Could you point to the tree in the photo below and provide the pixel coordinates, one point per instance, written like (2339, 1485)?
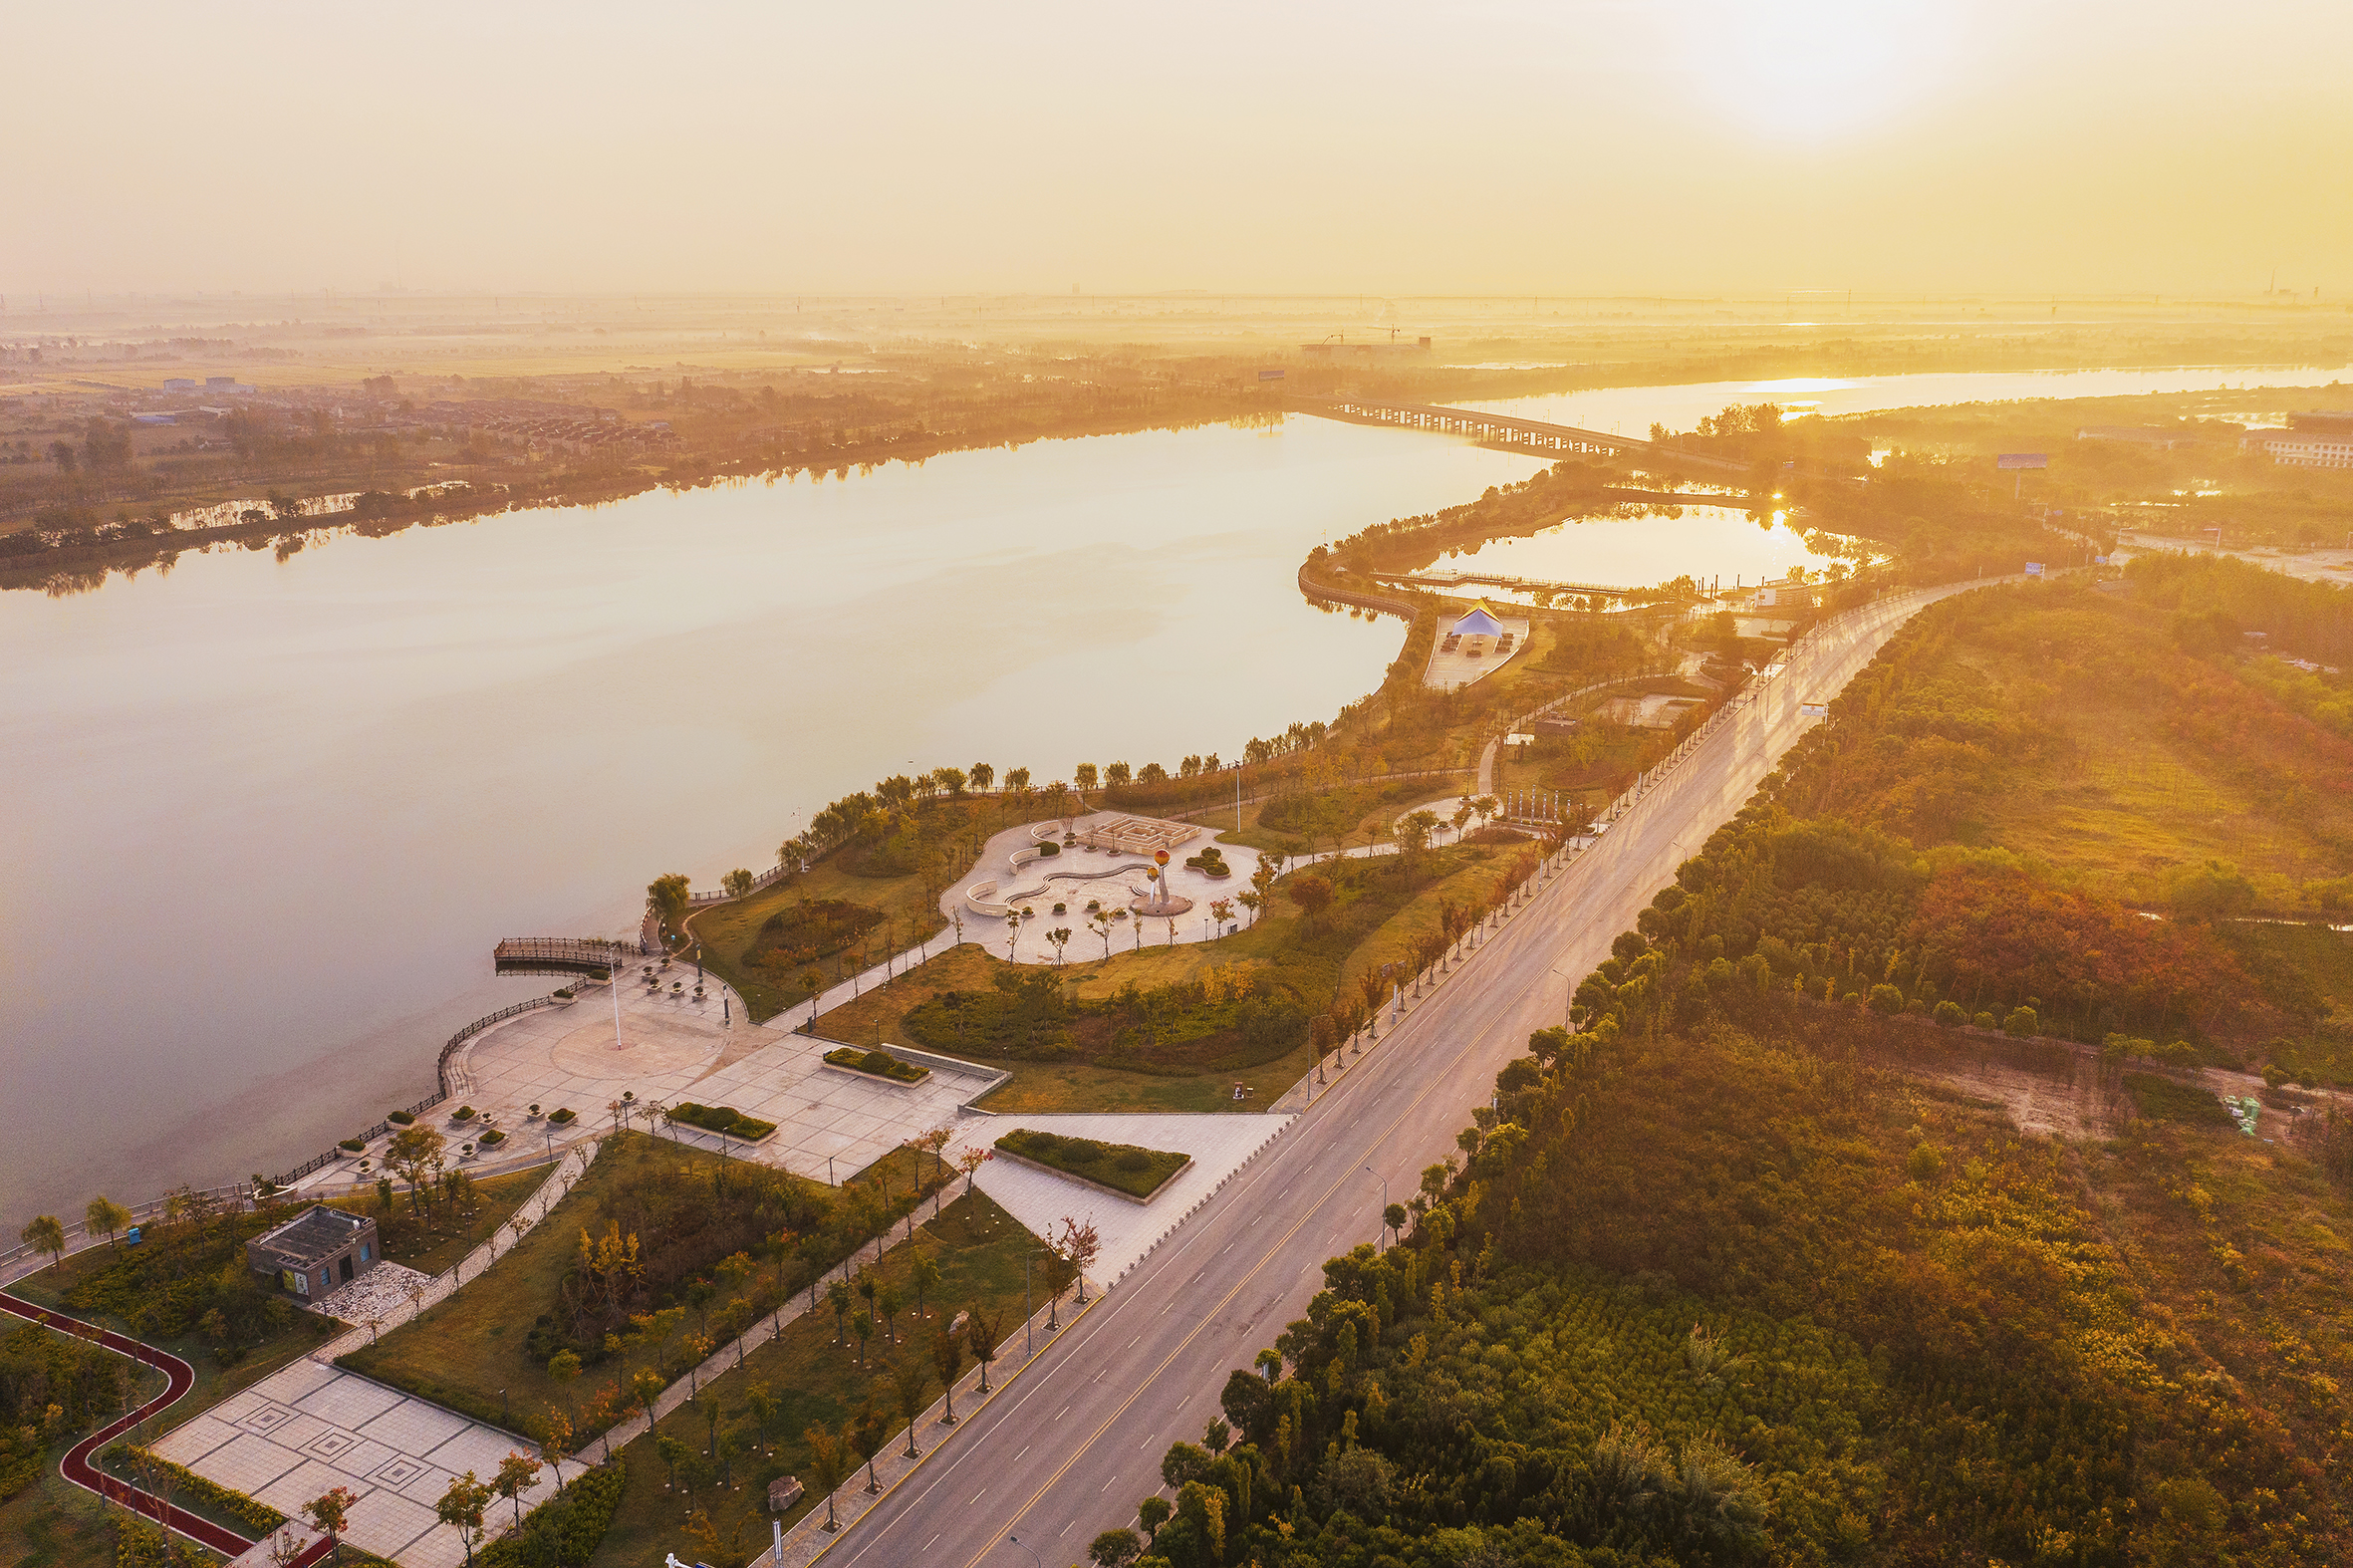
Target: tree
(862, 1326)
(969, 1161)
(982, 776)
(829, 1463)
(1413, 831)
(669, 894)
(415, 1155)
(838, 1297)
(1060, 937)
(44, 1234)
(1313, 896)
(104, 1217)
(1084, 773)
(889, 1304)
(1115, 1548)
(555, 1440)
(1152, 1514)
(737, 883)
(329, 1512)
(1079, 1244)
(924, 1275)
(516, 1474)
(981, 1331)
(911, 1380)
(947, 1357)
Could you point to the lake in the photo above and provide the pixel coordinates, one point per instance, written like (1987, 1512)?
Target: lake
(1707, 542)
(267, 818)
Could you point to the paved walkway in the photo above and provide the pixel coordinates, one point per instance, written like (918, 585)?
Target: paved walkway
(310, 1426)
(1119, 884)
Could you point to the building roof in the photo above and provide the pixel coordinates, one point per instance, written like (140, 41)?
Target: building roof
(313, 1234)
(1479, 622)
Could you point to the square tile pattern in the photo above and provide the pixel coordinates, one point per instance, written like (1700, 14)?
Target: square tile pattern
(306, 1429)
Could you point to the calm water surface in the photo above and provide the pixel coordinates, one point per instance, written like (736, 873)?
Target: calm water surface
(1708, 542)
(266, 819)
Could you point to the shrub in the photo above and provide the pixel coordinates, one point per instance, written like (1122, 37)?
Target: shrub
(354, 1145)
(721, 1119)
(464, 1112)
(1061, 909)
(1125, 1167)
(492, 1138)
(399, 1118)
(1049, 848)
(1951, 1015)
(2021, 1023)
(880, 1063)
(245, 1510)
(561, 993)
(1987, 1021)
(563, 1116)
(567, 1529)
(1886, 999)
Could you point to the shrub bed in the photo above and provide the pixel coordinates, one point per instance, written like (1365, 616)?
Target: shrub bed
(399, 1118)
(563, 1116)
(567, 1529)
(491, 1139)
(128, 1458)
(352, 1144)
(721, 1119)
(1125, 1167)
(879, 1064)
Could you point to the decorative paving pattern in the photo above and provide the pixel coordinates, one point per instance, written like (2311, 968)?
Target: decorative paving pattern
(307, 1428)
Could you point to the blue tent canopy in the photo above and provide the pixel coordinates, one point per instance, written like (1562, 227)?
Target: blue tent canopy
(1478, 622)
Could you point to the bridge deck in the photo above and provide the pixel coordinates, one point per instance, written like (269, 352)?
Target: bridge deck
(1514, 431)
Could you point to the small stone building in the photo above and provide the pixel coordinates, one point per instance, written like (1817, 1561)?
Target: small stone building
(314, 1251)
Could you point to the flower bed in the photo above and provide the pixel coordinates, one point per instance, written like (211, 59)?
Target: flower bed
(876, 1064)
(563, 1116)
(1123, 1167)
(721, 1119)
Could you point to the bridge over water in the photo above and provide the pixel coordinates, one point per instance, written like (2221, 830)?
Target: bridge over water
(1498, 430)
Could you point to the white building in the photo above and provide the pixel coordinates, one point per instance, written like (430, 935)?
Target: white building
(2303, 448)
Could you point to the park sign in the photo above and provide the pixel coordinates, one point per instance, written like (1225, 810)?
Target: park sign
(1813, 710)
(2034, 569)
(2022, 460)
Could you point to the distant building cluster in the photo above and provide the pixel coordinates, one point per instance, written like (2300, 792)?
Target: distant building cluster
(2322, 440)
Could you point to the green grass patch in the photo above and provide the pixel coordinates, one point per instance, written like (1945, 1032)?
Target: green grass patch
(877, 1064)
(812, 1372)
(692, 1210)
(720, 1119)
(1125, 1167)
(2168, 1100)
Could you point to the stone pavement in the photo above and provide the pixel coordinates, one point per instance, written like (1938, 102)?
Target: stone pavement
(307, 1428)
(1041, 1200)
(1116, 884)
(377, 1294)
(310, 1426)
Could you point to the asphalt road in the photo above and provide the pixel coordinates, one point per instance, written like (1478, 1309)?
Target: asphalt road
(1076, 1443)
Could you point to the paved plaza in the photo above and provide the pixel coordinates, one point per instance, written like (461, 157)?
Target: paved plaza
(1114, 878)
(307, 1428)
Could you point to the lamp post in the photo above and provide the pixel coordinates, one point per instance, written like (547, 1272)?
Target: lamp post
(1033, 1555)
(1383, 1180)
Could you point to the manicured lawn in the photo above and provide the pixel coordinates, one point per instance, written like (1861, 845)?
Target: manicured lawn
(462, 1352)
(466, 1349)
(1128, 1168)
(979, 1251)
(910, 910)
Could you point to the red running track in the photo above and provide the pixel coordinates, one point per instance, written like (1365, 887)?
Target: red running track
(78, 1468)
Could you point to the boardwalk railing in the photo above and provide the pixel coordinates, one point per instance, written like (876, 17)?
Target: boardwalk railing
(558, 954)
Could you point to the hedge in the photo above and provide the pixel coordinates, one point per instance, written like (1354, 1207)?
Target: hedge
(131, 1459)
(563, 1116)
(1140, 1173)
(882, 1064)
(721, 1119)
(565, 1530)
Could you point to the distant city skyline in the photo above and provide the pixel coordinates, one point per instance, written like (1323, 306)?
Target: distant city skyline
(1498, 148)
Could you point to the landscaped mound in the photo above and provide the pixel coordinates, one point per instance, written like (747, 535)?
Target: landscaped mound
(1125, 1167)
(881, 1064)
(795, 938)
(1210, 862)
(721, 1119)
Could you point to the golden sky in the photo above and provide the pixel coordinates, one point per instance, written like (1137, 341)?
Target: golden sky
(1484, 146)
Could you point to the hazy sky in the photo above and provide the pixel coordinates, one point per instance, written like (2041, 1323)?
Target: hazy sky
(1496, 147)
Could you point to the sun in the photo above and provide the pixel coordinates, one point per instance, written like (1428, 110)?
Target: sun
(1814, 70)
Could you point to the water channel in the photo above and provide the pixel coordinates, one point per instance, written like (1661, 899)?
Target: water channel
(266, 817)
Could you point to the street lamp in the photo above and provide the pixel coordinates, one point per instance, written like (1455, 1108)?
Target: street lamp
(1383, 1180)
(1033, 1554)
